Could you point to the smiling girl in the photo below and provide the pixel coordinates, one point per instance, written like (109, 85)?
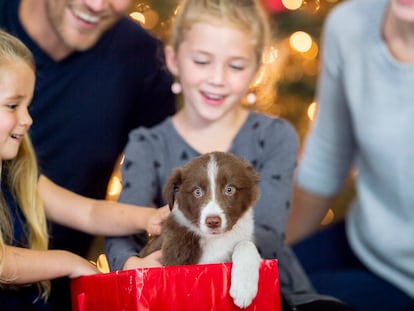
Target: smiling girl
(26, 264)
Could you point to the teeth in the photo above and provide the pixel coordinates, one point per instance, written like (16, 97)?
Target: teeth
(86, 17)
(212, 96)
(16, 136)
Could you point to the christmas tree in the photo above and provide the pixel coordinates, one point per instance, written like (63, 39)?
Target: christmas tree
(286, 85)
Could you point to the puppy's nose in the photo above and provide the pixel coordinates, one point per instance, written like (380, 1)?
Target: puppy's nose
(213, 221)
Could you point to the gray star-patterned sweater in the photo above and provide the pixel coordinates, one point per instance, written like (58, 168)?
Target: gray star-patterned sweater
(269, 143)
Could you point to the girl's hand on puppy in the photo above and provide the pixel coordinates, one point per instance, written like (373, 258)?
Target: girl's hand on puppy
(150, 261)
(157, 219)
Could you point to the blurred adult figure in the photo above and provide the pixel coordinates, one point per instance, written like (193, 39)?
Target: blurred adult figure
(99, 75)
(365, 121)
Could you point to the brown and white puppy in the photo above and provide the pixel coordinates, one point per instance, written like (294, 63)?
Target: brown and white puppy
(211, 198)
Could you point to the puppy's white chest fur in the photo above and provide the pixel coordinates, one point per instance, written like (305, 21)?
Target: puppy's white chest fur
(220, 248)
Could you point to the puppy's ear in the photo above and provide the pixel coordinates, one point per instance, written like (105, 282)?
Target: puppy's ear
(255, 179)
(171, 187)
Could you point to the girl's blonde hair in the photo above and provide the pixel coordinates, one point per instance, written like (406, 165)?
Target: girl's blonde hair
(246, 15)
(21, 176)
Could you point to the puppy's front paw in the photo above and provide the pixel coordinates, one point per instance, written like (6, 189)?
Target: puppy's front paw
(244, 273)
(243, 292)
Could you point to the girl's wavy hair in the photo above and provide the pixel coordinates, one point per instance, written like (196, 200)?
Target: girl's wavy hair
(20, 175)
(247, 15)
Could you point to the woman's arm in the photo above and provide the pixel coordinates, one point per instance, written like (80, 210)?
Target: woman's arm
(330, 146)
(98, 217)
(22, 266)
(306, 214)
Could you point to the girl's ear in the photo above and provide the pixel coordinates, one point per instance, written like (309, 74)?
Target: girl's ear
(171, 60)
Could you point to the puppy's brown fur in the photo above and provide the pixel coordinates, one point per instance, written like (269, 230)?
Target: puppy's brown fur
(189, 189)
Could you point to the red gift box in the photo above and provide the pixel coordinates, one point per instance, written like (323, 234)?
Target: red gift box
(174, 288)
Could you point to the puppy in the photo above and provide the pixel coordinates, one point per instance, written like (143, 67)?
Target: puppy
(211, 198)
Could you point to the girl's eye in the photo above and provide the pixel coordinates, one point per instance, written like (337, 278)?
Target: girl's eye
(229, 190)
(12, 106)
(200, 62)
(198, 192)
(237, 67)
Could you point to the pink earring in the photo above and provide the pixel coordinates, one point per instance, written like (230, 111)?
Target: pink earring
(176, 88)
(251, 98)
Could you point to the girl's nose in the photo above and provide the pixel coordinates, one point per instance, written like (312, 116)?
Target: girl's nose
(217, 75)
(25, 119)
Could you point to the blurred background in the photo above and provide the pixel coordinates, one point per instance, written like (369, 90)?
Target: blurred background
(286, 85)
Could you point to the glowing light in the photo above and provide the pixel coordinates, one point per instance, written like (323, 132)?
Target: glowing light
(312, 52)
(139, 17)
(274, 5)
(292, 4)
(259, 77)
(329, 217)
(115, 186)
(147, 17)
(151, 19)
(270, 55)
(300, 41)
(311, 110)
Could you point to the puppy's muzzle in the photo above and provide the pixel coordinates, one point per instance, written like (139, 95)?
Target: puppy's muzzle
(213, 222)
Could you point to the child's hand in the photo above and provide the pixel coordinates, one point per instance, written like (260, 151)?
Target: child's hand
(81, 267)
(152, 260)
(155, 222)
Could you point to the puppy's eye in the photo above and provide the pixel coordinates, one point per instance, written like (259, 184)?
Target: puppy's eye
(198, 192)
(229, 190)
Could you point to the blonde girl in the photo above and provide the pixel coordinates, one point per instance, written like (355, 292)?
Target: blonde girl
(26, 200)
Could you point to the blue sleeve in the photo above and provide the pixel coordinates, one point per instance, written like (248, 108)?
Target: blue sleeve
(139, 187)
(278, 163)
(139, 174)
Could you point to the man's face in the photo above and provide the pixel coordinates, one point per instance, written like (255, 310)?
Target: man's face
(80, 23)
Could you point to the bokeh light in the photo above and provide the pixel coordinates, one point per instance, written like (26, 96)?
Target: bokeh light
(292, 4)
(301, 41)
